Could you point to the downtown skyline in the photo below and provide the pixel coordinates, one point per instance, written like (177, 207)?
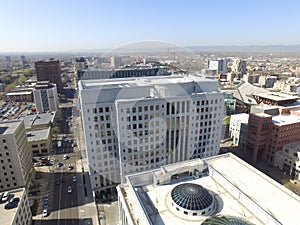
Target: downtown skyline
(55, 26)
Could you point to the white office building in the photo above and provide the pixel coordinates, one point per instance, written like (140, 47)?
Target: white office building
(238, 127)
(137, 124)
(219, 65)
(45, 97)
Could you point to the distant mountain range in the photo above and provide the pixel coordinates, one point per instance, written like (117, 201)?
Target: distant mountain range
(150, 48)
(249, 48)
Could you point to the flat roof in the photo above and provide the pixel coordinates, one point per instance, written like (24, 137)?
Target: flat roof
(40, 134)
(275, 96)
(285, 119)
(19, 93)
(241, 116)
(273, 197)
(9, 127)
(142, 81)
(240, 191)
(37, 119)
(7, 215)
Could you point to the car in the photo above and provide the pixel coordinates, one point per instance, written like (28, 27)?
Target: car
(66, 157)
(70, 167)
(45, 205)
(59, 164)
(5, 196)
(69, 189)
(46, 198)
(14, 199)
(36, 164)
(45, 212)
(11, 205)
(57, 181)
(74, 178)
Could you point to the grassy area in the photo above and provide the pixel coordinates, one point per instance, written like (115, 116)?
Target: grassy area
(226, 120)
(290, 185)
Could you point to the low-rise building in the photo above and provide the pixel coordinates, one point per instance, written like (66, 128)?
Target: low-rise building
(288, 160)
(218, 190)
(18, 215)
(39, 141)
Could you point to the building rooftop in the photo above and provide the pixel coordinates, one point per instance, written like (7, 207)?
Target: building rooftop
(243, 117)
(142, 81)
(9, 127)
(37, 135)
(285, 119)
(8, 215)
(276, 96)
(37, 119)
(240, 193)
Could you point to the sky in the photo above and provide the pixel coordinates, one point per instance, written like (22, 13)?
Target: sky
(71, 25)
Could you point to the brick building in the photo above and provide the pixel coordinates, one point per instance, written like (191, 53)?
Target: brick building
(49, 71)
(269, 129)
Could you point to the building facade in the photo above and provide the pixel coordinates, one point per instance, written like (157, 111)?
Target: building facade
(45, 97)
(19, 215)
(137, 124)
(15, 156)
(238, 128)
(49, 71)
(269, 129)
(288, 160)
(219, 65)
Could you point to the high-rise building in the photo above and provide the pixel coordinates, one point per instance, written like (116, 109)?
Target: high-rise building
(219, 190)
(239, 66)
(45, 96)
(136, 124)
(49, 71)
(115, 61)
(15, 156)
(219, 65)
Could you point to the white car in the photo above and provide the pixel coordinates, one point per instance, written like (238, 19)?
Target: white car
(45, 212)
(69, 189)
(66, 157)
(5, 196)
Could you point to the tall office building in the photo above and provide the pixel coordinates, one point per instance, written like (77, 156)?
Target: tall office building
(219, 65)
(45, 96)
(49, 71)
(239, 66)
(15, 156)
(136, 124)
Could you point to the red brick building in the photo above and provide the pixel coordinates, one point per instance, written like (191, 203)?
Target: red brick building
(270, 129)
(49, 71)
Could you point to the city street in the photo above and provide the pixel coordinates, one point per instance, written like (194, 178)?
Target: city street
(65, 181)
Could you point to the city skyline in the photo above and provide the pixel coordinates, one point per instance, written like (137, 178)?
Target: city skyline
(33, 26)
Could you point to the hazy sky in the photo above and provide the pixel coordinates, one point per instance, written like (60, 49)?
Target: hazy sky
(54, 25)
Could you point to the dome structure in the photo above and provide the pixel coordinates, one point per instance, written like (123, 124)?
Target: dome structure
(225, 220)
(192, 199)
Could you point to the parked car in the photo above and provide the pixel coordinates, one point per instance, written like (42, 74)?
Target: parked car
(11, 205)
(74, 178)
(69, 189)
(45, 212)
(59, 164)
(70, 167)
(5, 196)
(66, 157)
